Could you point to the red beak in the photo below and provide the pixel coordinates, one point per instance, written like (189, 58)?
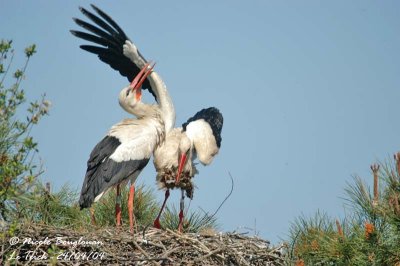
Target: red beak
(143, 74)
(180, 168)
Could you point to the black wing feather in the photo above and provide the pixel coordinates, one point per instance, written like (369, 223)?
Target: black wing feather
(111, 39)
(106, 175)
(107, 38)
(103, 172)
(90, 37)
(102, 24)
(102, 151)
(111, 21)
(110, 57)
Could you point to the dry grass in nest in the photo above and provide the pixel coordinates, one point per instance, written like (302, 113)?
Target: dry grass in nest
(150, 247)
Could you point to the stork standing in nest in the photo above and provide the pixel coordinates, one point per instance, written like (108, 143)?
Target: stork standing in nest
(174, 159)
(128, 146)
(200, 136)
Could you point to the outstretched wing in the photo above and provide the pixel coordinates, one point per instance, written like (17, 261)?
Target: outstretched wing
(110, 39)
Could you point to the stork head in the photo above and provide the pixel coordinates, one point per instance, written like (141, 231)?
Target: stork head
(130, 96)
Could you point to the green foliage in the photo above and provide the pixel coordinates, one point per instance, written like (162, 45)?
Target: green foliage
(369, 235)
(58, 209)
(145, 210)
(193, 222)
(18, 167)
(145, 207)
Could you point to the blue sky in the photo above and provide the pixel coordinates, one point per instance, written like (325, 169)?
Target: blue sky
(309, 91)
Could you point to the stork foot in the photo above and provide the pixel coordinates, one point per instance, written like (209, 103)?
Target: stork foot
(156, 223)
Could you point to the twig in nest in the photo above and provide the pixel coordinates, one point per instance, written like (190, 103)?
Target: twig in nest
(211, 253)
(144, 231)
(150, 259)
(143, 252)
(166, 253)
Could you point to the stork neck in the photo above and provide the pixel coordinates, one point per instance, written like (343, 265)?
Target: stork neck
(164, 101)
(141, 110)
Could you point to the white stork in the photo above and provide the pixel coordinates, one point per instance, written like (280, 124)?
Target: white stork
(199, 137)
(128, 146)
(174, 159)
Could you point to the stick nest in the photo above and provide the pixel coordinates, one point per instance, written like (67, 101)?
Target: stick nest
(109, 246)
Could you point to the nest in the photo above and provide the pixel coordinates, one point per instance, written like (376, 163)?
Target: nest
(43, 245)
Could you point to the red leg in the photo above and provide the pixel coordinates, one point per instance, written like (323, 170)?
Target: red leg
(118, 207)
(182, 206)
(157, 220)
(130, 206)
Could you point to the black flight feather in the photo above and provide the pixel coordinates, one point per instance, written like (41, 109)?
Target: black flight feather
(111, 39)
(110, 20)
(103, 172)
(90, 37)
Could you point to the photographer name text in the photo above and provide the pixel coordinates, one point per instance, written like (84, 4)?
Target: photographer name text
(58, 241)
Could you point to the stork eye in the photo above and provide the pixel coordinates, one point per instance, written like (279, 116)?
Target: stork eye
(128, 91)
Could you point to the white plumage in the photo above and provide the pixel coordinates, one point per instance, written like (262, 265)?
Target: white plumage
(129, 144)
(200, 134)
(174, 159)
(166, 158)
(138, 138)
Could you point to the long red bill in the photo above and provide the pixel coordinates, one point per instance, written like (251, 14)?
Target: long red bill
(180, 168)
(138, 76)
(143, 74)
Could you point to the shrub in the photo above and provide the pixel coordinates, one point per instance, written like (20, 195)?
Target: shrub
(18, 165)
(370, 233)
